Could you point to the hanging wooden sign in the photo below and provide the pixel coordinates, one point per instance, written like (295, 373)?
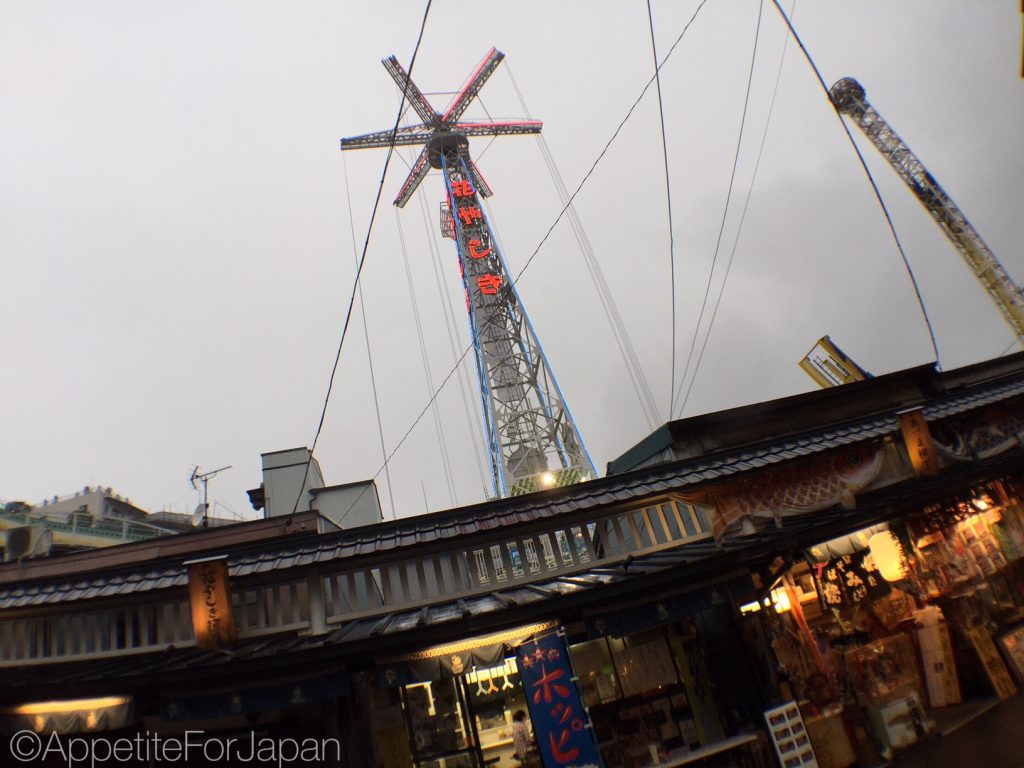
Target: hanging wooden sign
(993, 663)
(918, 440)
(209, 594)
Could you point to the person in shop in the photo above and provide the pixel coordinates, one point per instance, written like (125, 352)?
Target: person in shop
(522, 742)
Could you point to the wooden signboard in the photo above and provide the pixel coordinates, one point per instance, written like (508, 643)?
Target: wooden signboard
(918, 440)
(209, 595)
(1013, 646)
(996, 670)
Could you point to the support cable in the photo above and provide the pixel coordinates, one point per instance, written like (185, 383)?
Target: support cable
(473, 422)
(743, 215)
(366, 333)
(728, 199)
(871, 179)
(607, 146)
(362, 260)
(408, 432)
(442, 444)
(668, 204)
(479, 157)
(611, 311)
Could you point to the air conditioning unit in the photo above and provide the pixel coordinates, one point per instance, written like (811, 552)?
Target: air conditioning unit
(28, 541)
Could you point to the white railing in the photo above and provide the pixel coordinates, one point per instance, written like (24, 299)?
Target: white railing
(312, 602)
(95, 634)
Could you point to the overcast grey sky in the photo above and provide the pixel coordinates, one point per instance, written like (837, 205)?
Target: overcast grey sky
(176, 255)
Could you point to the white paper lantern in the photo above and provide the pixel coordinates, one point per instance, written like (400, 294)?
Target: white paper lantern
(888, 555)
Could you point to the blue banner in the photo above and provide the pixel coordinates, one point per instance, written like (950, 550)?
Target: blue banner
(560, 723)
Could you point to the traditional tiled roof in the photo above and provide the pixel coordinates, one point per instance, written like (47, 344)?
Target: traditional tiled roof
(436, 529)
(705, 563)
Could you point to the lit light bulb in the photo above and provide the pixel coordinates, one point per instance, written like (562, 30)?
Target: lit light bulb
(547, 479)
(780, 597)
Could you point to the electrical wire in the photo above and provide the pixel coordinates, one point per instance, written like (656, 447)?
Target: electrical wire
(1012, 344)
(725, 210)
(607, 146)
(362, 258)
(408, 432)
(668, 205)
(871, 179)
(366, 334)
(743, 214)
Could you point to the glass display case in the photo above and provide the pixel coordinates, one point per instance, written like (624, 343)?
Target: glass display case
(436, 716)
(884, 670)
(597, 679)
(494, 695)
(640, 704)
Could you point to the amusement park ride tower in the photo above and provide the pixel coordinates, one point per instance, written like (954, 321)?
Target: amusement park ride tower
(532, 438)
(850, 99)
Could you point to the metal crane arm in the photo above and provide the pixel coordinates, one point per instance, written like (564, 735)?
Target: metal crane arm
(417, 174)
(482, 187)
(411, 134)
(849, 98)
(473, 85)
(505, 128)
(412, 92)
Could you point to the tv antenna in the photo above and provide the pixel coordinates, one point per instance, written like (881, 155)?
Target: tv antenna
(202, 510)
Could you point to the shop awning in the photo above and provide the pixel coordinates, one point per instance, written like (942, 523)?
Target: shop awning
(68, 716)
(277, 695)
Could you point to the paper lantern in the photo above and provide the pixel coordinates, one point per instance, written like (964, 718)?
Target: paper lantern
(888, 555)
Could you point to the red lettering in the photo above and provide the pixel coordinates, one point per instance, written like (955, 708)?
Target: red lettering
(462, 188)
(489, 284)
(558, 750)
(546, 684)
(474, 253)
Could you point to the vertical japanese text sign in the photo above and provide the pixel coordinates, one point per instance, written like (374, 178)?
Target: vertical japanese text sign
(560, 724)
(918, 440)
(209, 595)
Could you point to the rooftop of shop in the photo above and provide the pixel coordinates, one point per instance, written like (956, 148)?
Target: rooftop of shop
(266, 554)
(775, 420)
(681, 454)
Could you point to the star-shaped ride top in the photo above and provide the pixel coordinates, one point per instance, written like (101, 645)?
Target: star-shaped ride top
(439, 132)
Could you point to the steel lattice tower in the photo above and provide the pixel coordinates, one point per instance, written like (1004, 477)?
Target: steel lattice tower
(532, 439)
(850, 99)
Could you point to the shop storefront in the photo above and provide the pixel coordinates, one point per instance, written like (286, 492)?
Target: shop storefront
(665, 681)
(886, 634)
(649, 695)
(453, 705)
(823, 583)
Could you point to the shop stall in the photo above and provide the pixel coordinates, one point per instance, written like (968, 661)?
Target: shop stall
(886, 634)
(640, 684)
(451, 706)
(661, 679)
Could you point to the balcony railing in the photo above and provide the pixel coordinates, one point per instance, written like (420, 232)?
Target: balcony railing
(79, 524)
(312, 602)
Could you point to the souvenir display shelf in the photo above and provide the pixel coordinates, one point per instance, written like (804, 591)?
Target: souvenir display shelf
(884, 670)
(789, 736)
